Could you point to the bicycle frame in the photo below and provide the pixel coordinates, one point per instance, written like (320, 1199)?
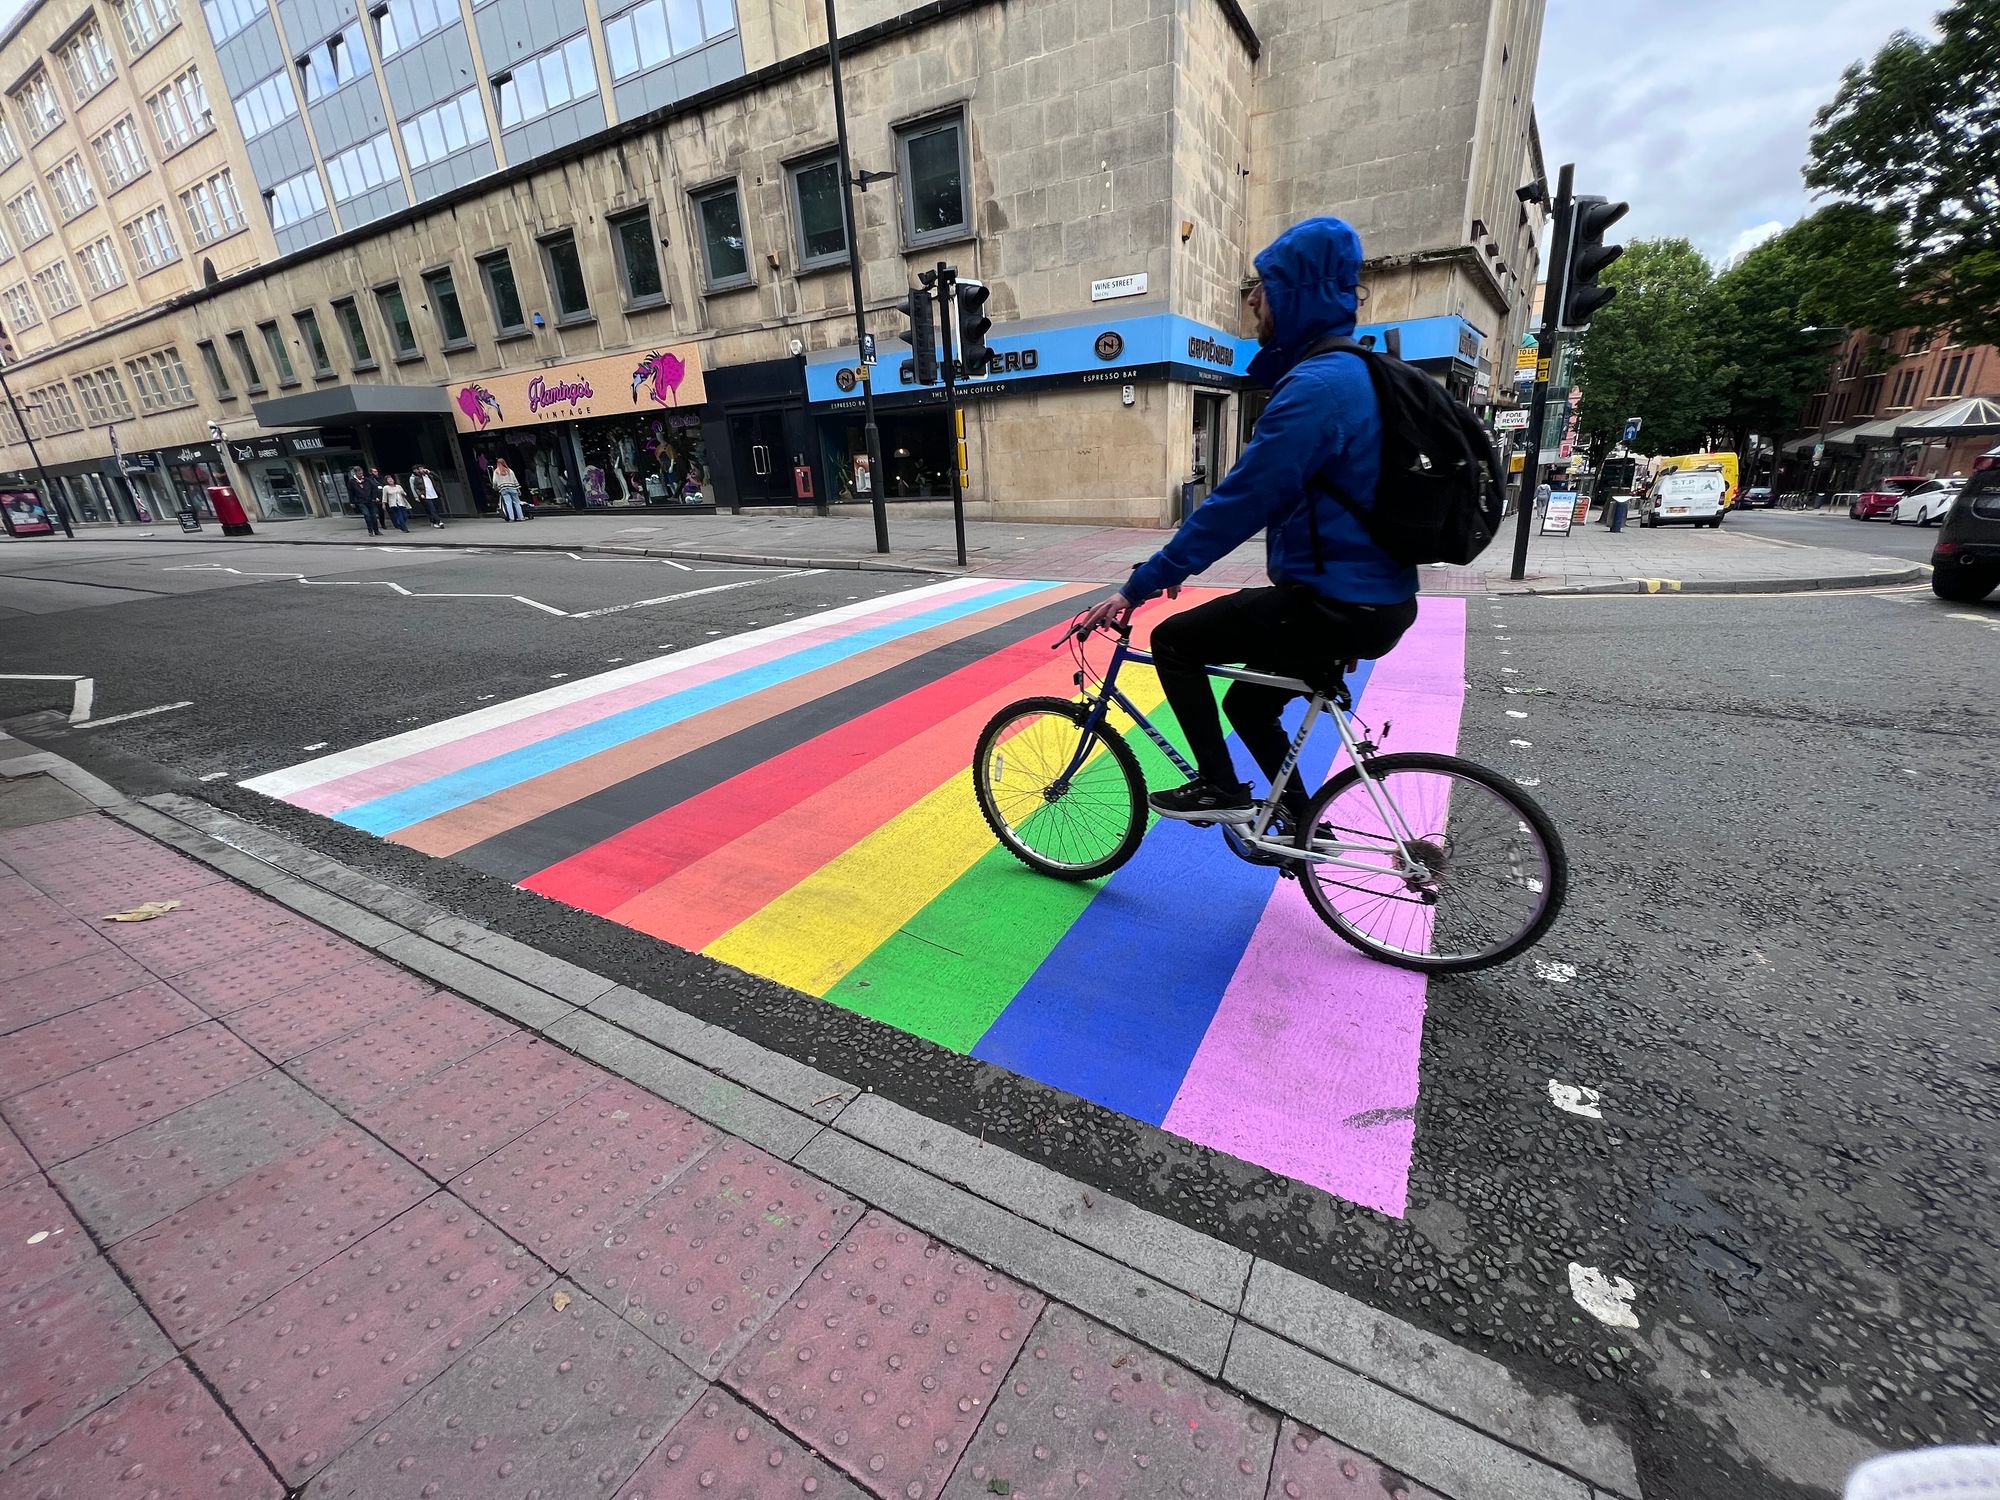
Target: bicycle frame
(1255, 837)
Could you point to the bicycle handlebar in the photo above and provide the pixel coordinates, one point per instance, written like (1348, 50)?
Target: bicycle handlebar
(1122, 628)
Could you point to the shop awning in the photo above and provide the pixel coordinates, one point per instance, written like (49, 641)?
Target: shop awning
(1845, 437)
(1800, 444)
(345, 403)
(1973, 414)
(1880, 432)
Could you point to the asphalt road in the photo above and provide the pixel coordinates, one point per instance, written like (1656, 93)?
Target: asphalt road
(1814, 529)
(1776, 967)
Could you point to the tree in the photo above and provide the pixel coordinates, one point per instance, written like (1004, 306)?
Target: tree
(1648, 352)
(1916, 133)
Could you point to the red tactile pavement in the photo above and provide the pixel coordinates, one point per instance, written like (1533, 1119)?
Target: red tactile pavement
(562, 1403)
(211, 925)
(319, 1364)
(452, 1119)
(1311, 1467)
(161, 1168)
(397, 1050)
(710, 1260)
(325, 1011)
(296, 959)
(165, 1439)
(1085, 1409)
(228, 1252)
(66, 1348)
(15, 1163)
(68, 1117)
(725, 1449)
(54, 992)
(40, 1238)
(41, 1054)
(567, 1183)
(43, 946)
(889, 1355)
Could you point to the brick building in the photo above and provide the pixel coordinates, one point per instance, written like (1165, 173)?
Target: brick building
(1881, 394)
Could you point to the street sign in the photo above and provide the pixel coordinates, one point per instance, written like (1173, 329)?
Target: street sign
(868, 348)
(1631, 429)
(1113, 287)
(1819, 452)
(1541, 369)
(1513, 419)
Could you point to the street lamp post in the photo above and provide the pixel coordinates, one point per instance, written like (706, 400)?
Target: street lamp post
(49, 495)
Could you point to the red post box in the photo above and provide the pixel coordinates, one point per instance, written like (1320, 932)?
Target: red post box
(228, 510)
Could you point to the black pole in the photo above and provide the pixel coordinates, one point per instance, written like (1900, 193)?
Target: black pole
(1545, 353)
(872, 434)
(49, 494)
(947, 321)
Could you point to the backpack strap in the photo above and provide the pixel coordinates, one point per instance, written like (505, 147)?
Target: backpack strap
(1333, 343)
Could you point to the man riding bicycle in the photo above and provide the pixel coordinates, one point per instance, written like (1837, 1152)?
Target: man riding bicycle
(1305, 478)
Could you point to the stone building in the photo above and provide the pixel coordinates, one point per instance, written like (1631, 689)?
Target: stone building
(649, 306)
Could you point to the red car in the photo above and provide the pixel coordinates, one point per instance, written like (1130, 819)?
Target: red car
(1882, 500)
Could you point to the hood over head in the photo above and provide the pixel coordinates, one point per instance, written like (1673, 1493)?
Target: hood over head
(1312, 277)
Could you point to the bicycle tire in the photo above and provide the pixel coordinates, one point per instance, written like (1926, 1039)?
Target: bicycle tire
(1012, 830)
(1555, 879)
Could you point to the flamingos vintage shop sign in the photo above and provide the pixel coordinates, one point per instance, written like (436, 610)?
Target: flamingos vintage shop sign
(644, 381)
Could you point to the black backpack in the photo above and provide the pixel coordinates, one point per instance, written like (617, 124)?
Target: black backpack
(1440, 495)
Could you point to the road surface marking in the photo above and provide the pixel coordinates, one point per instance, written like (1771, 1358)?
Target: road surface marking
(1522, 744)
(137, 713)
(81, 696)
(1575, 1099)
(317, 745)
(549, 609)
(1515, 713)
(1606, 1298)
(1554, 973)
(216, 776)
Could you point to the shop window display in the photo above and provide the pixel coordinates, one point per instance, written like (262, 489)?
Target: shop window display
(653, 460)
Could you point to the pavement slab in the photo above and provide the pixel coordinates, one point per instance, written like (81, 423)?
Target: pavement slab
(210, 925)
(43, 1240)
(44, 946)
(705, 1264)
(82, 1038)
(326, 1010)
(397, 1051)
(47, 993)
(724, 1447)
(1310, 1466)
(15, 1162)
(298, 958)
(314, 1368)
(888, 1357)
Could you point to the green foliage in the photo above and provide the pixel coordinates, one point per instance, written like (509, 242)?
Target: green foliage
(1648, 353)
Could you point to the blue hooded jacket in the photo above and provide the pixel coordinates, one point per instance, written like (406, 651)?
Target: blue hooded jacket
(1322, 425)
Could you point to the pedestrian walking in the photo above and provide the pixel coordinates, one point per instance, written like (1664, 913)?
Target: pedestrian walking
(424, 485)
(396, 501)
(507, 487)
(358, 496)
(374, 483)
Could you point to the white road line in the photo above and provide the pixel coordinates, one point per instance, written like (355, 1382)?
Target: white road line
(319, 745)
(81, 696)
(1554, 973)
(137, 713)
(1522, 744)
(714, 588)
(216, 776)
(681, 565)
(1575, 1099)
(1515, 713)
(1606, 1298)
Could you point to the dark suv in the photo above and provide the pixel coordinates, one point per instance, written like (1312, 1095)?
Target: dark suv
(1965, 564)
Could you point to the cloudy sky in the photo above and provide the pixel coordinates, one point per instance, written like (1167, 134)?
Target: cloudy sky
(1697, 112)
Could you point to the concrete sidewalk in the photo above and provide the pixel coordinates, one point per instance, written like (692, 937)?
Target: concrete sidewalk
(314, 1188)
(1588, 560)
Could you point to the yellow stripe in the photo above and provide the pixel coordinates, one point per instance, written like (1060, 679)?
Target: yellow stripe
(820, 930)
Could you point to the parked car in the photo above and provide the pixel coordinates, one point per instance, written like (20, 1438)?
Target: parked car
(1882, 500)
(1928, 502)
(1965, 563)
(1758, 497)
(1694, 497)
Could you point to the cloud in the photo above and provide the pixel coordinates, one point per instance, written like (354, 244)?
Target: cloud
(1751, 238)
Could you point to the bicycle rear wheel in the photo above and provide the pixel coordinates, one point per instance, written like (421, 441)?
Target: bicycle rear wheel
(1494, 869)
(1073, 826)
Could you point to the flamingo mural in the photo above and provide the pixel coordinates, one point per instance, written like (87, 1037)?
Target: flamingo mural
(666, 371)
(479, 404)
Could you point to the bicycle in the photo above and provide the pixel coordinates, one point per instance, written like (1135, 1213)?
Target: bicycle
(1064, 793)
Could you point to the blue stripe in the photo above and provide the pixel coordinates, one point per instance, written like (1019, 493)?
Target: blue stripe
(384, 815)
(1098, 1017)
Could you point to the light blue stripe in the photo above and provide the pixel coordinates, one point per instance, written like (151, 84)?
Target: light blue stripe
(428, 799)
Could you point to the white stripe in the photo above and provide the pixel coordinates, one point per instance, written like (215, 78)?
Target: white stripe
(294, 779)
(137, 713)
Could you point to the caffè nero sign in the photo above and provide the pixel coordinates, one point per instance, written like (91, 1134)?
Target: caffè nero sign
(1008, 362)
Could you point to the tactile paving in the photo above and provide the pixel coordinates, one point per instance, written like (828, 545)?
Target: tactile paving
(724, 1449)
(43, 946)
(1311, 1467)
(90, 883)
(570, 1181)
(40, 1239)
(325, 1011)
(15, 1163)
(161, 1168)
(212, 925)
(223, 1255)
(67, 987)
(84, 833)
(82, 1038)
(311, 1370)
(66, 1348)
(1086, 1410)
(397, 1050)
(888, 1356)
(450, 1120)
(561, 1402)
(69, 1116)
(229, 984)
(704, 1265)
(165, 1439)
(23, 908)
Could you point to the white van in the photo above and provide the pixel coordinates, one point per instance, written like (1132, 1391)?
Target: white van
(1692, 496)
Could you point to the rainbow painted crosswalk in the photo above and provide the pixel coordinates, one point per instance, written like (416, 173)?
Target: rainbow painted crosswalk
(797, 801)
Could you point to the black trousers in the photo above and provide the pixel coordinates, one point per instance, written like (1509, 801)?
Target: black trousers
(1289, 630)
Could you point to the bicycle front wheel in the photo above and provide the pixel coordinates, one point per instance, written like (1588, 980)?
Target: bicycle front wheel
(1067, 800)
(1489, 872)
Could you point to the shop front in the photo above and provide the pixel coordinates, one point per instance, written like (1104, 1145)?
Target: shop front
(325, 433)
(271, 477)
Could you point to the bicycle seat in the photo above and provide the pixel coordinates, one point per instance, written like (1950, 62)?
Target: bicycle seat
(1330, 681)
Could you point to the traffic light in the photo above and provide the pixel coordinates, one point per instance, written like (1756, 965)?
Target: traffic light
(973, 326)
(921, 335)
(1589, 255)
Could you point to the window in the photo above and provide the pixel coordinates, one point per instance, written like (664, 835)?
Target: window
(932, 157)
(649, 34)
(69, 183)
(724, 251)
(266, 106)
(536, 85)
(240, 347)
(361, 168)
(212, 209)
(151, 240)
(308, 321)
(565, 272)
(404, 23)
(121, 154)
(145, 21)
(445, 130)
(50, 410)
(443, 292)
(162, 380)
(281, 357)
(638, 261)
(37, 98)
(349, 318)
(10, 149)
(295, 199)
(86, 62)
(218, 377)
(227, 17)
(396, 313)
(21, 309)
(180, 110)
(1964, 374)
(56, 287)
(6, 249)
(104, 398)
(816, 205)
(338, 60)
(505, 298)
(1947, 371)
(101, 271)
(30, 223)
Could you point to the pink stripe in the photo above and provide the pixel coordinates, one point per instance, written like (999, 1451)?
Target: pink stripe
(1310, 1064)
(439, 760)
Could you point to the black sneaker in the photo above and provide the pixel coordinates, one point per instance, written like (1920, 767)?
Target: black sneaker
(1204, 802)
